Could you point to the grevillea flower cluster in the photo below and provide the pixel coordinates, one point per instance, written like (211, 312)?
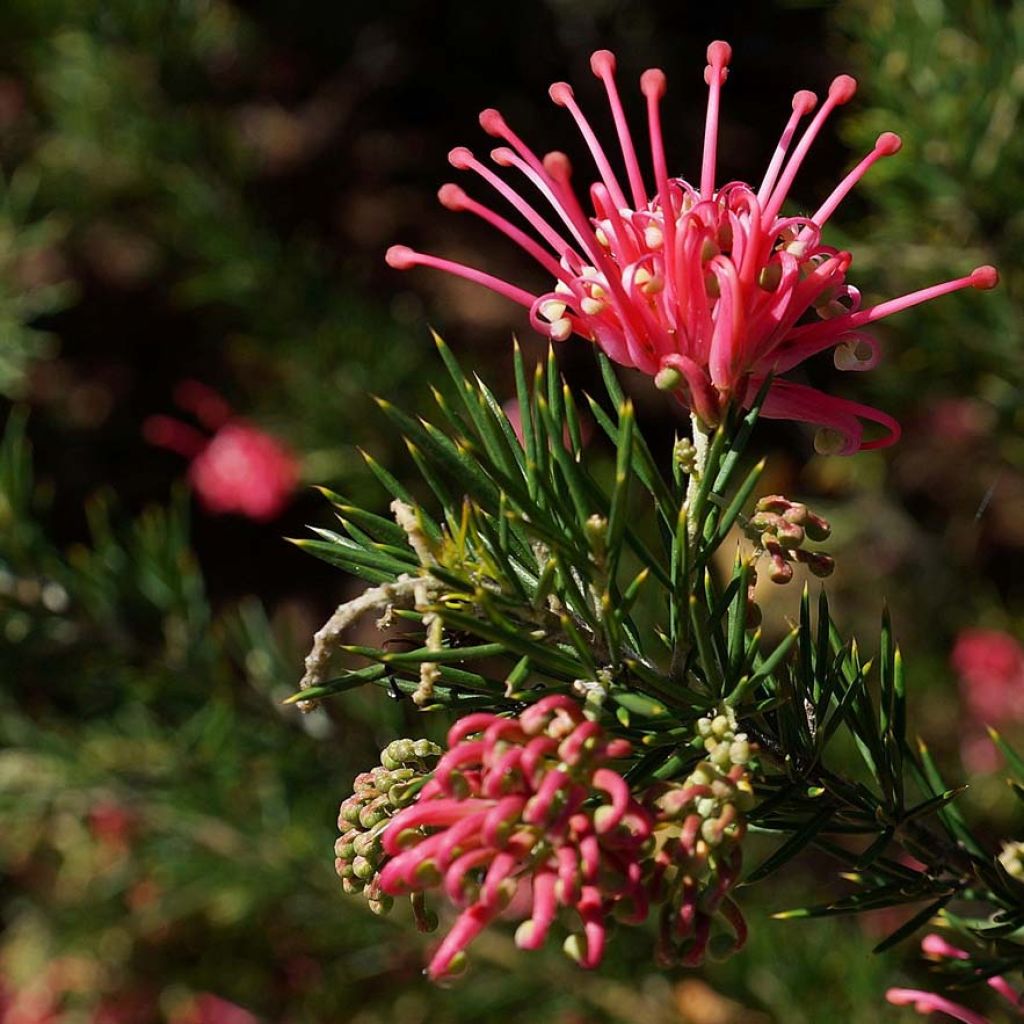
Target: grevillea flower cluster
(238, 468)
(709, 288)
(525, 802)
(529, 812)
(377, 796)
(701, 825)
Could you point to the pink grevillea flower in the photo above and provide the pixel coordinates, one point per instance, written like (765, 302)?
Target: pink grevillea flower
(990, 664)
(937, 948)
(706, 287)
(990, 667)
(238, 469)
(524, 806)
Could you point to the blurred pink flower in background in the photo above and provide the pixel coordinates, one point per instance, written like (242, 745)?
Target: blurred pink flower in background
(112, 824)
(239, 469)
(960, 421)
(990, 666)
(36, 1004)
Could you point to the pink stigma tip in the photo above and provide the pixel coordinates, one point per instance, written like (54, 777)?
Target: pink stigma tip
(984, 278)
(400, 257)
(503, 156)
(560, 93)
(460, 157)
(602, 62)
(719, 54)
(842, 89)
(888, 143)
(492, 122)
(653, 83)
(558, 166)
(804, 102)
(452, 196)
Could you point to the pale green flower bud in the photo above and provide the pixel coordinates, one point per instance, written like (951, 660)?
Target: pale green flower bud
(1012, 859)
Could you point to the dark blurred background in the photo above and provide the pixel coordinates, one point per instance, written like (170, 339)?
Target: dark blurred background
(204, 190)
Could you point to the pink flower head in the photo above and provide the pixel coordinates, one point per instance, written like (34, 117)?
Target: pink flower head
(707, 288)
(990, 664)
(524, 806)
(238, 469)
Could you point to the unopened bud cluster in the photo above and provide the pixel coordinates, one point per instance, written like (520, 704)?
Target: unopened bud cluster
(780, 527)
(701, 822)
(377, 796)
(684, 453)
(1012, 858)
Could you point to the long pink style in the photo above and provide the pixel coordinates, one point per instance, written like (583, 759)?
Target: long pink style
(708, 289)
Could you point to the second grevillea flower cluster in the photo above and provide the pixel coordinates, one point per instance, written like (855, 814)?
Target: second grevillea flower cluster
(527, 815)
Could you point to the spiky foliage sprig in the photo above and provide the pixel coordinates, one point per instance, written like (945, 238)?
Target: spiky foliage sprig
(542, 565)
(537, 578)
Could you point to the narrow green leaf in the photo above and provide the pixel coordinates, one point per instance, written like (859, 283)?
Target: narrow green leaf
(515, 679)
(569, 470)
(708, 658)
(791, 847)
(928, 775)
(525, 417)
(350, 560)
(921, 918)
(765, 668)
(611, 382)
(620, 493)
(1013, 760)
(643, 465)
(348, 681)
(737, 504)
(738, 615)
(638, 703)
(934, 803)
(572, 422)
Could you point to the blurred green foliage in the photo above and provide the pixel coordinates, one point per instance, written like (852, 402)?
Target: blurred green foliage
(949, 78)
(136, 128)
(167, 829)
